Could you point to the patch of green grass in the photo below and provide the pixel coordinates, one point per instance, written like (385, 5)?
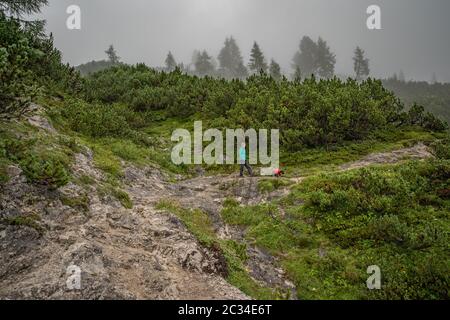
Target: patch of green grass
(200, 225)
(31, 221)
(335, 225)
(196, 221)
(164, 126)
(243, 216)
(112, 188)
(269, 185)
(129, 151)
(105, 160)
(265, 227)
(163, 159)
(335, 275)
(80, 203)
(123, 197)
(297, 247)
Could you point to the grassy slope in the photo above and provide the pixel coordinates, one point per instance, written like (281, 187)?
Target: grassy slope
(337, 272)
(333, 226)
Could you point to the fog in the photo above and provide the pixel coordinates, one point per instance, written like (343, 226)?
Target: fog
(414, 36)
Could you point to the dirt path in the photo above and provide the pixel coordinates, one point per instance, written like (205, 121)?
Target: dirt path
(139, 253)
(418, 151)
(208, 194)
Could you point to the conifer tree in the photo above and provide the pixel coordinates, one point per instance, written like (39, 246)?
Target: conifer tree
(230, 60)
(325, 60)
(305, 58)
(275, 70)
(257, 61)
(170, 62)
(314, 58)
(112, 55)
(360, 64)
(19, 8)
(203, 64)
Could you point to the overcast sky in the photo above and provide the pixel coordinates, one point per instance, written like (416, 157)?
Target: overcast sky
(415, 34)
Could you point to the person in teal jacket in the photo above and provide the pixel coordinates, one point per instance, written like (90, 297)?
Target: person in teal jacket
(243, 161)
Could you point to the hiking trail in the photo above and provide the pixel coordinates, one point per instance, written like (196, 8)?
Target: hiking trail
(138, 253)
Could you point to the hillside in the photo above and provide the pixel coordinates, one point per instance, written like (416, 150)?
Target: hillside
(93, 66)
(434, 97)
(143, 231)
(87, 180)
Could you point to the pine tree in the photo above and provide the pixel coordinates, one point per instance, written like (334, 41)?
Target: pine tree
(230, 60)
(257, 61)
(19, 8)
(305, 58)
(314, 58)
(275, 70)
(112, 55)
(360, 64)
(325, 60)
(171, 64)
(203, 64)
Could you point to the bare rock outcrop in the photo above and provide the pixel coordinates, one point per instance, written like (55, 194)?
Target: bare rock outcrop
(138, 253)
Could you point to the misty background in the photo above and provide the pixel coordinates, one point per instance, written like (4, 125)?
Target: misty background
(414, 36)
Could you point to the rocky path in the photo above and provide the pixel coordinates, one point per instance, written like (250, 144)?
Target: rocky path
(208, 193)
(139, 253)
(418, 151)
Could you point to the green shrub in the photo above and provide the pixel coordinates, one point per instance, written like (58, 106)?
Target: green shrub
(45, 170)
(123, 198)
(417, 116)
(441, 148)
(13, 148)
(395, 217)
(269, 185)
(415, 275)
(308, 113)
(97, 120)
(28, 62)
(17, 55)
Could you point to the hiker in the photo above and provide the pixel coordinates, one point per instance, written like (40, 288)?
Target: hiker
(243, 161)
